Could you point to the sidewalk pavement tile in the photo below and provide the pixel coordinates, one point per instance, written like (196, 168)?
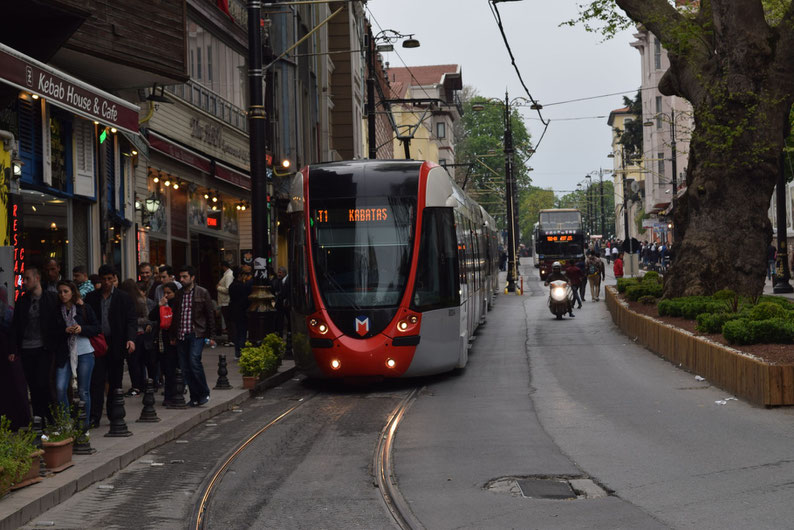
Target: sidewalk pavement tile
(113, 454)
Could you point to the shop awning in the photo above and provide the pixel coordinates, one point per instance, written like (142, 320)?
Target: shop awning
(180, 153)
(232, 176)
(658, 207)
(65, 91)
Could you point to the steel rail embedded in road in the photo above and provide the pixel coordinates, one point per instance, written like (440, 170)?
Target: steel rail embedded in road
(395, 502)
(202, 508)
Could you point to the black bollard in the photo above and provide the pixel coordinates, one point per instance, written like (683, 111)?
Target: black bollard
(38, 428)
(223, 381)
(148, 414)
(82, 445)
(116, 413)
(178, 397)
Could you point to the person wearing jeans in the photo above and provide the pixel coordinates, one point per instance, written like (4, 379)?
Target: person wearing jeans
(75, 322)
(193, 324)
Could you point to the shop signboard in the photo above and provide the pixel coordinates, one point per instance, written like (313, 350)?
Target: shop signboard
(65, 91)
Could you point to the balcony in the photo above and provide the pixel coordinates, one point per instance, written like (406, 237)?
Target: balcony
(211, 103)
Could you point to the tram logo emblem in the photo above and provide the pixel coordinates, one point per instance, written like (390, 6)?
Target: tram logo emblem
(362, 325)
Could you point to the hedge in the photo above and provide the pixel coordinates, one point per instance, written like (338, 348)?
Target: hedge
(770, 331)
(713, 322)
(635, 292)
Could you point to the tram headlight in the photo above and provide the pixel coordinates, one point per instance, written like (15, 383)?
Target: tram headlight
(335, 364)
(391, 363)
(318, 325)
(408, 323)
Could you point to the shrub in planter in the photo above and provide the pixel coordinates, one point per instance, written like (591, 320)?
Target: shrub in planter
(58, 438)
(765, 311)
(777, 300)
(770, 331)
(724, 294)
(651, 276)
(647, 300)
(16, 448)
(276, 344)
(654, 289)
(713, 322)
(738, 331)
(625, 283)
(258, 361)
(693, 307)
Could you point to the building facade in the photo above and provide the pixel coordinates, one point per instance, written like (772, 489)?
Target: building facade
(667, 119)
(426, 107)
(628, 175)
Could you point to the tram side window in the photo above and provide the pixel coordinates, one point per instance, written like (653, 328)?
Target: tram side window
(300, 290)
(437, 269)
(460, 232)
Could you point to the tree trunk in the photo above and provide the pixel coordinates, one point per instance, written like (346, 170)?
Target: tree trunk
(721, 223)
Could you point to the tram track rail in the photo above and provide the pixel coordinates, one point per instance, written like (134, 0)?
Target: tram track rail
(396, 504)
(201, 511)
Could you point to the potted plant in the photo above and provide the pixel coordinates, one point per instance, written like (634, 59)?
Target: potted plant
(58, 439)
(257, 362)
(19, 460)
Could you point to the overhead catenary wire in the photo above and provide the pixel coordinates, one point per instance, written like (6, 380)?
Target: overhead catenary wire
(498, 18)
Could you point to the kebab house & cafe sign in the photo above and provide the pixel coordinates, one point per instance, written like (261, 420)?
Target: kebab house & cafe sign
(60, 89)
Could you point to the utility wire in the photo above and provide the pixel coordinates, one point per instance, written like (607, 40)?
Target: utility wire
(498, 18)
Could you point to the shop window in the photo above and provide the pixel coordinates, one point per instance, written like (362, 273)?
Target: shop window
(61, 150)
(441, 130)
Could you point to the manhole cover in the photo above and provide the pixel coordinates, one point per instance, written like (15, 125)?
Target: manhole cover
(545, 489)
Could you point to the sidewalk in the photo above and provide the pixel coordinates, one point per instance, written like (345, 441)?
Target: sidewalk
(113, 454)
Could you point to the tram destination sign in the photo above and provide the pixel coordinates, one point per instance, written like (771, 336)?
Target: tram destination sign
(353, 215)
(65, 91)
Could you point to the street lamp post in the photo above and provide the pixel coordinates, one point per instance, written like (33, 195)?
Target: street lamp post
(261, 312)
(388, 36)
(782, 272)
(601, 187)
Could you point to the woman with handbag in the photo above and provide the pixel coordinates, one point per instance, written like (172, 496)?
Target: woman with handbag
(163, 315)
(75, 322)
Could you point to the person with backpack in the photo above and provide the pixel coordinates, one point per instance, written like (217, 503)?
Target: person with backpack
(595, 272)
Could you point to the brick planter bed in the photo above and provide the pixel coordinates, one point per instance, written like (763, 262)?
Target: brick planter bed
(745, 375)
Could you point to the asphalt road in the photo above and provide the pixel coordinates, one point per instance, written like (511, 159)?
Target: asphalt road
(541, 398)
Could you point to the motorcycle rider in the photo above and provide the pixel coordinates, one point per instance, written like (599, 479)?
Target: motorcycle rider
(557, 274)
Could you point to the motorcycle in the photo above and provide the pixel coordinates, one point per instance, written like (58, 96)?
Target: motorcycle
(560, 298)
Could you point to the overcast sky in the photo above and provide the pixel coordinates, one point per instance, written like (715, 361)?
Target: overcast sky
(557, 63)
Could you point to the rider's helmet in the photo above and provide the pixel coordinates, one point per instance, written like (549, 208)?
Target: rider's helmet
(556, 266)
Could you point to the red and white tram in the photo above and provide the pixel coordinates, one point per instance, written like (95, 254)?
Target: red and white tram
(392, 268)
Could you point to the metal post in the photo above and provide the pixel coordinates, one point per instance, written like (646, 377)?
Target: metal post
(782, 272)
(372, 140)
(257, 128)
(601, 188)
(675, 161)
(511, 235)
(625, 203)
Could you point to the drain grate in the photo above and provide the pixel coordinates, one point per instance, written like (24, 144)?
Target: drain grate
(546, 489)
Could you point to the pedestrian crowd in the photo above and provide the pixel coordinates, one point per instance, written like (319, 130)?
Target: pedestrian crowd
(74, 335)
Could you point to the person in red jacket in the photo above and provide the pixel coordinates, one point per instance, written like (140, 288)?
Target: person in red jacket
(575, 276)
(617, 268)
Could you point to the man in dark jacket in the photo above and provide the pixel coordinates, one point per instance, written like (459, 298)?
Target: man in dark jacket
(115, 312)
(34, 316)
(193, 323)
(238, 307)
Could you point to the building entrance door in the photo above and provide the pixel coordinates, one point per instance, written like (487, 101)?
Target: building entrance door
(206, 259)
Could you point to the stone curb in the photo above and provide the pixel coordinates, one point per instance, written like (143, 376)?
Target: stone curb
(43, 498)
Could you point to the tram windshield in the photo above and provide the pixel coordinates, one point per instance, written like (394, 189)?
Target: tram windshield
(362, 249)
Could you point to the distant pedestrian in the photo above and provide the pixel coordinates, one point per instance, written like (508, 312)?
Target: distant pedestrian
(575, 277)
(194, 322)
(75, 323)
(169, 359)
(80, 277)
(96, 281)
(595, 272)
(239, 291)
(223, 300)
(115, 312)
(52, 275)
(147, 282)
(617, 268)
(14, 403)
(34, 316)
(771, 259)
(142, 362)
(582, 266)
(166, 273)
(281, 291)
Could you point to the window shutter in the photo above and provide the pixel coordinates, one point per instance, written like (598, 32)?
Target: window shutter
(29, 116)
(84, 158)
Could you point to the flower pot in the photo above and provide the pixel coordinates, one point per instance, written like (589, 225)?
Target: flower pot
(249, 381)
(58, 455)
(32, 476)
